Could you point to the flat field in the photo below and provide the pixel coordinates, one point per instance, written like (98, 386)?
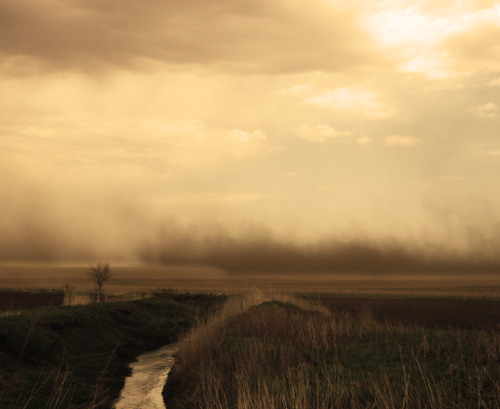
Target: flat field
(200, 279)
(300, 342)
(12, 300)
(462, 301)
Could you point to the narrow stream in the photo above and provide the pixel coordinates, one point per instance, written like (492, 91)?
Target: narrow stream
(143, 388)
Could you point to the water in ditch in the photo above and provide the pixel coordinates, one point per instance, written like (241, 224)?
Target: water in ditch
(143, 387)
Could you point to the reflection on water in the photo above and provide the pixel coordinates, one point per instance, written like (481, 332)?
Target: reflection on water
(143, 388)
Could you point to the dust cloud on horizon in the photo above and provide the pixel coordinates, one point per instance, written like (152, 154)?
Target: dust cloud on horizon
(44, 222)
(251, 249)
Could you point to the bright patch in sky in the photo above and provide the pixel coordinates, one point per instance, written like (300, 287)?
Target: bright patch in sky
(357, 100)
(318, 133)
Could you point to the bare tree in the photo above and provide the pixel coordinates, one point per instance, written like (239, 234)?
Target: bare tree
(99, 274)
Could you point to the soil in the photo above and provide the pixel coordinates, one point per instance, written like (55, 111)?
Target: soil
(16, 300)
(461, 314)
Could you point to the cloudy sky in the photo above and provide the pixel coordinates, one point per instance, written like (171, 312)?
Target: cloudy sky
(128, 124)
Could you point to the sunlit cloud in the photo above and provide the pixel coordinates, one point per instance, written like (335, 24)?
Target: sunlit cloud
(488, 110)
(418, 33)
(318, 133)
(205, 198)
(433, 65)
(399, 140)
(296, 90)
(181, 143)
(494, 82)
(194, 143)
(358, 100)
(364, 140)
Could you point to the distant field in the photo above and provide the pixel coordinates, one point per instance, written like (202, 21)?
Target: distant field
(197, 279)
(437, 302)
(430, 312)
(17, 300)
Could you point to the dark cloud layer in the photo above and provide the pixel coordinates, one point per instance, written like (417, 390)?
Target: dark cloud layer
(48, 219)
(260, 252)
(61, 224)
(251, 35)
(40, 235)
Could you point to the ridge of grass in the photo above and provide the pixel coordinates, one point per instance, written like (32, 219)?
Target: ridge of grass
(78, 356)
(282, 353)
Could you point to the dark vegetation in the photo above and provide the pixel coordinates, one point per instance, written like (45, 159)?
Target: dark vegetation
(281, 354)
(318, 351)
(16, 300)
(77, 357)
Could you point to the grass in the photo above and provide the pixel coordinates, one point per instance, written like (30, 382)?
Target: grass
(262, 350)
(78, 356)
(271, 351)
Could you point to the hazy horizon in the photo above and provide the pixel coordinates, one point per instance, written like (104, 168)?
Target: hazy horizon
(259, 135)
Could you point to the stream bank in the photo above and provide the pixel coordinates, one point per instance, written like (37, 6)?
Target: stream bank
(79, 356)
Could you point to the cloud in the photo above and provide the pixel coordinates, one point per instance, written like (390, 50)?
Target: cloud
(451, 178)
(145, 142)
(296, 90)
(252, 36)
(45, 219)
(488, 110)
(364, 140)
(398, 140)
(259, 251)
(476, 49)
(205, 198)
(434, 65)
(433, 38)
(480, 42)
(194, 143)
(494, 82)
(318, 133)
(57, 218)
(353, 100)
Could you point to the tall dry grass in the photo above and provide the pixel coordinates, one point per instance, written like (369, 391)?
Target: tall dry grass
(202, 337)
(73, 297)
(271, 351)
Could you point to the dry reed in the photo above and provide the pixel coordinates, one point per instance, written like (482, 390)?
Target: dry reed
(272, 351)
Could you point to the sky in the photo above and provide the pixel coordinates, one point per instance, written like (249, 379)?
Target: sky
(226, 131)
